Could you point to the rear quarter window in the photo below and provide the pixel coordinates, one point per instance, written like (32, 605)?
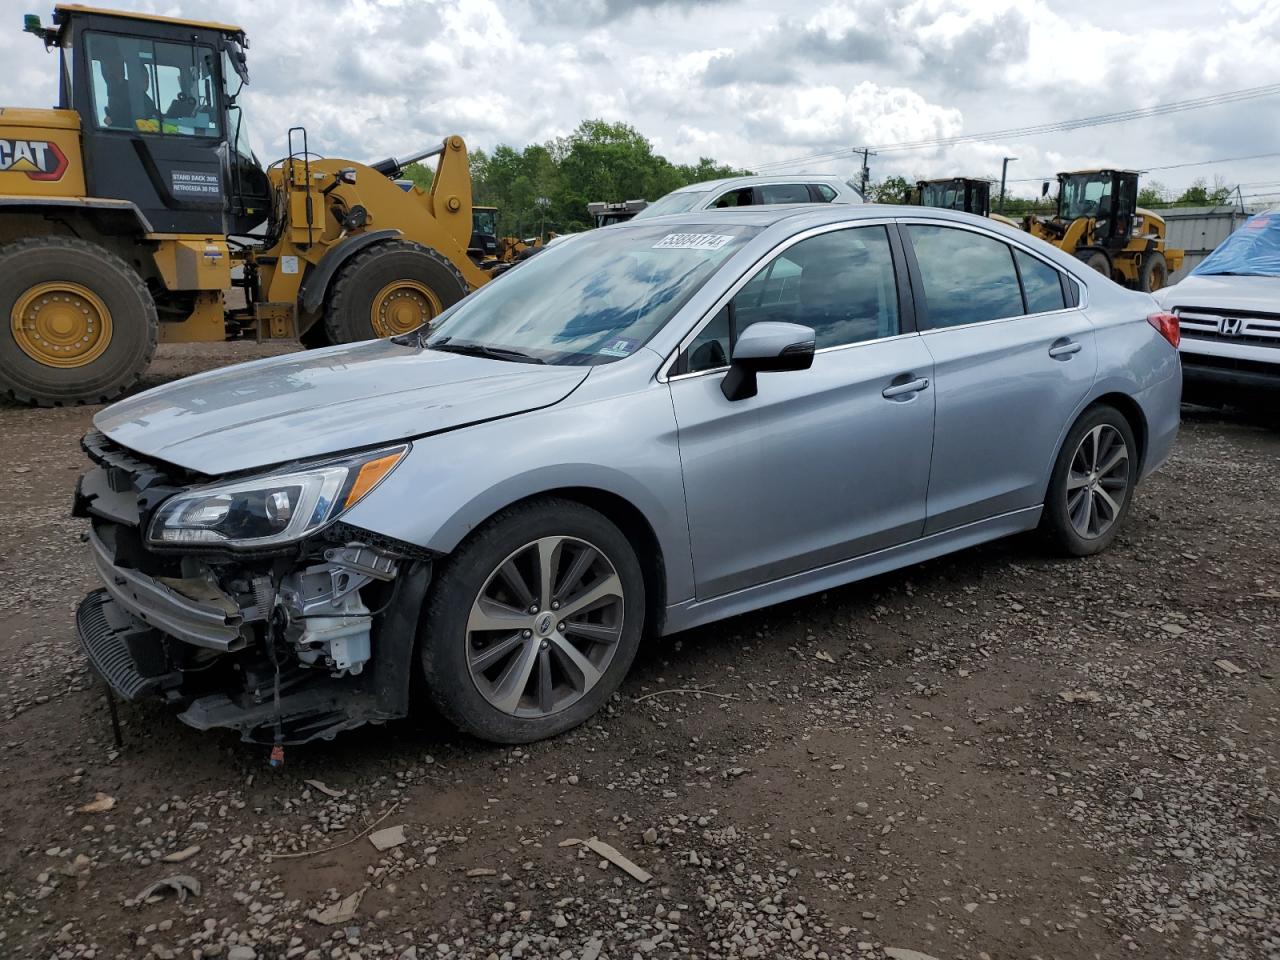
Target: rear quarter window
(1041, 283)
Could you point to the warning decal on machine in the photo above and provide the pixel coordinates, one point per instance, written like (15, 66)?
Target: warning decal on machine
(692, 241)
(195, 184)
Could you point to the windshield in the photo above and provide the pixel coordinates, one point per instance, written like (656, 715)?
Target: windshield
(1086, 195)
(945, 195)
(679, 202)
(590, 301)
(484, 222)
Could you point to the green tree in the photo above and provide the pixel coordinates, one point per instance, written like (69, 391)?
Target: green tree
(548, 186)
(893, 189)
(1154, 194)
(420, 175)
(1201, 195)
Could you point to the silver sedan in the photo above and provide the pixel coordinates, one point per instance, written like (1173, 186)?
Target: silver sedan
(643, 429)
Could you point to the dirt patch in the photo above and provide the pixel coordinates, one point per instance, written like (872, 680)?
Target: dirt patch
(999, 753)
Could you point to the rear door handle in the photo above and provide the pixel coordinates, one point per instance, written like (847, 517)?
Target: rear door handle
(905, 389)
(1064, 349)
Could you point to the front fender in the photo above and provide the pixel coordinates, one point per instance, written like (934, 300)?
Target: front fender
(451, 483)
(314, 288)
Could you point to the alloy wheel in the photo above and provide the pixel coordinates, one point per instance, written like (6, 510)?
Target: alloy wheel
(544, 627)
(1098, 481)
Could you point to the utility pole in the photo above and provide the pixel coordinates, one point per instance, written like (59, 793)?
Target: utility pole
(866, 172)
(1004, 172)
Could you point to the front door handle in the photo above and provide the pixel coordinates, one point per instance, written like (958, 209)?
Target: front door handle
(905, 389)
(1064, 349)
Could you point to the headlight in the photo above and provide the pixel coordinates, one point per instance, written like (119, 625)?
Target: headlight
(271, 510)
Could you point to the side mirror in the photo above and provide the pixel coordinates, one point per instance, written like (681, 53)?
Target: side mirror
(1044, 188)
(766, 347)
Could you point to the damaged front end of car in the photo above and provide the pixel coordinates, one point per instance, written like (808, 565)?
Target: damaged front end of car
(247, 603)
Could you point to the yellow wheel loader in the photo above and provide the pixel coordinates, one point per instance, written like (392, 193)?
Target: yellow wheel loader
(129, 210)
(1099, 222)
(491, 251)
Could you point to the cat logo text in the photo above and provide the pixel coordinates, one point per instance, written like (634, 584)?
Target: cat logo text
(38, 159)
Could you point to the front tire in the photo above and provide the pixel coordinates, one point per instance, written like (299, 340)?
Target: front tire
(79, 325)
(1093, 482)
(389, 289)
(533, 623)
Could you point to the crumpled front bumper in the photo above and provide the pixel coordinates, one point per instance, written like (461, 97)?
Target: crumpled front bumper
(139, 661)
(194, 610)
(236, 641)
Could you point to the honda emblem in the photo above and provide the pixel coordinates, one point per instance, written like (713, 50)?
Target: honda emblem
(1231, 326)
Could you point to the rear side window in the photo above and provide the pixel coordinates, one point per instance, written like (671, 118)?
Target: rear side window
(735, 198)
(784, 193)
(968, 277)
(1041, 284)
(822, 192)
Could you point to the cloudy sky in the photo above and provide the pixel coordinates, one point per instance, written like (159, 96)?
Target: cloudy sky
(750, 82)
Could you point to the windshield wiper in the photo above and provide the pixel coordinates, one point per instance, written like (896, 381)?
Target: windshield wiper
(483, 350)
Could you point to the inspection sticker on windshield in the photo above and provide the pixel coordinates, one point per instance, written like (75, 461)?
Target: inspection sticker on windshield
(692, 241)
(621, 347)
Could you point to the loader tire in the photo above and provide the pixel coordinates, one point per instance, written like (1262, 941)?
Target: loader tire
(1153, 275)
(79, 323)
(1095, 259)
(389, 289)
(315, 336)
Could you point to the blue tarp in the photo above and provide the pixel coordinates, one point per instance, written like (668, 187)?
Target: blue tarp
(1253, 250)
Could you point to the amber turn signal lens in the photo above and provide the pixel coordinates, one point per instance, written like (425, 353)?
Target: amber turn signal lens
(368, 477)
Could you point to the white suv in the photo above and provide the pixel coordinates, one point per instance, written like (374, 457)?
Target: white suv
(1228, 312)
(754, 191)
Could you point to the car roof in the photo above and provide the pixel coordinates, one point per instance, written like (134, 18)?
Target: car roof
(757, 179)
(793, 218)
(806, 214)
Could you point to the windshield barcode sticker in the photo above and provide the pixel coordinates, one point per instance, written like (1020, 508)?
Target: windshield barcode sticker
(692, 241)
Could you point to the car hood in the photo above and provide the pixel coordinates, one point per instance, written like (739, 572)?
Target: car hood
(321, 402)
(1223, 293)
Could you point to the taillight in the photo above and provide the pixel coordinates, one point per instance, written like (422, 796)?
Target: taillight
(1167, 326)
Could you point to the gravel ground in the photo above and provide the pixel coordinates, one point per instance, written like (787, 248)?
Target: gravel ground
(997, 754)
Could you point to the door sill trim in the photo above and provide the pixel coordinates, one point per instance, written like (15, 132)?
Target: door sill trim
(695, 613)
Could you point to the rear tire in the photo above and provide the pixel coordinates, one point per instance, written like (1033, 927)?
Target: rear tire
(78, 323)
(1092, 484)
(570, 667)
(388, 289)
(1153, 275)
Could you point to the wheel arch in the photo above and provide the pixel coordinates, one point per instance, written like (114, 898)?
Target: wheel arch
(1128, 407)
(633, 524)
(316, 286)
(1131, 411)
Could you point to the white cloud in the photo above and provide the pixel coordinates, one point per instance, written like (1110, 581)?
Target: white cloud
(748, 81)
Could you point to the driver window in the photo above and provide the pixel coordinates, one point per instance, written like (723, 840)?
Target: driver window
(150, 86)
(842, 284)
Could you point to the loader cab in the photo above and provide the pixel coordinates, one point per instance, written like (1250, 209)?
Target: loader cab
(957, 193)
(1109, 197)
(484, 233)
(160, 122)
